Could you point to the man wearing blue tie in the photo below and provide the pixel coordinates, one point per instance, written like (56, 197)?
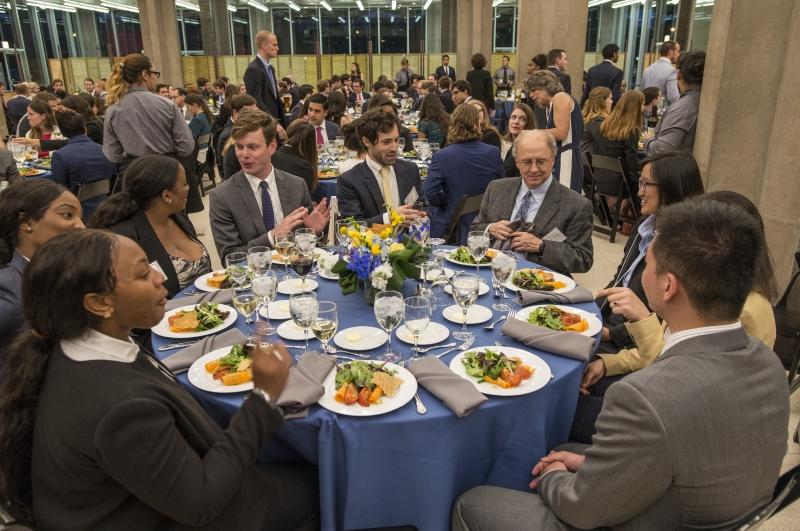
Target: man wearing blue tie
(260, 79)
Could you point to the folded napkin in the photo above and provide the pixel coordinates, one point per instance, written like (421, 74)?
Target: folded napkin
(183, 359)
(514, 226)
(304, 385)
(568, 344)
(457, 393)
(223, 296)
(573, 296)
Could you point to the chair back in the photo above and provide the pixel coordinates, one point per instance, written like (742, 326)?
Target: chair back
(787, 491)
(202, 153)
(466, 205)
(93, 189)
(787, 327)
(607, 174)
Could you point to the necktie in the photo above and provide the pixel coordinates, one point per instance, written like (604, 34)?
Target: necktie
(388, 197)
(505, 76)
(522, 213)
(358, 98)
(266, 206)
(320, 138)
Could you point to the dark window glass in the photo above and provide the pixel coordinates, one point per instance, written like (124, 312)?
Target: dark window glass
(365, 29)
(129, 33)
(393, 31)
(416, 29)
(194, 36)
(305, 29)
(241, 32)
(37, 69)
(6, 30)
(61, 31)
(334, 31)
(282, 30)
(45, 29)
(104, 34)
(592, 29)
(504, 28)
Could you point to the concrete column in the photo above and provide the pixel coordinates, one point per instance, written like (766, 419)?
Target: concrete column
(474, 33)
(160, 38)
(214, 26)
(750, 144)
(544, 25)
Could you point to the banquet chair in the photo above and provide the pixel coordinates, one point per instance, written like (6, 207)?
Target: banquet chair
(787, 491)
(203, 164)
(8, 523)
(466, 205)
(599, 208)
(610, 182)
(94, 189)
(787, 326)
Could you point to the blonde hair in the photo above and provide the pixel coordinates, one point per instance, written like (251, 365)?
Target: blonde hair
(262, 37)
(464, 125)
(124, 74)
(595, 104)
(626, 117)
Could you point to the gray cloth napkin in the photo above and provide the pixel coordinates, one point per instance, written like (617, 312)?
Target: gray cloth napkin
(223, 296)
(515, 226)
(457, 393)
(573, 296)
(568, 344)
(183, 359)
(304, 385)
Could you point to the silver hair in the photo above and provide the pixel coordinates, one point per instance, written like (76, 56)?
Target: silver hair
(549, 139)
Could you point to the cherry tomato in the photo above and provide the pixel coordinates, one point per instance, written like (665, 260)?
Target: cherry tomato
(351, 395)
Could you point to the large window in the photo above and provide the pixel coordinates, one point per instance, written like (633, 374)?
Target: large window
(240, 24)
(305, 30)
(393, 31)
(416, 29)
(282, 28)
(335, 30)
(505, 28)
(364, 28)
(129, 33)
(189, 34)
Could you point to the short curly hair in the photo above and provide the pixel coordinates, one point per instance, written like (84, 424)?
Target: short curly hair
(478, 61)
(544, 80)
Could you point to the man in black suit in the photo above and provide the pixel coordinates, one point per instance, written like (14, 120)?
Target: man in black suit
(358, 97)
(305, 91)
(325, 130)
(605, 74)
(18, 105)
(444, 93)
(382, 179)
(446, 69)
(260, 79)
(557, 64)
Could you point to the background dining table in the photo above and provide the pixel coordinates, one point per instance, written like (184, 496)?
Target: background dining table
(403, 468)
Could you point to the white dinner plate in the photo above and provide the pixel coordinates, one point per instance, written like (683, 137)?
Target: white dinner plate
(328, 275)
(278, 310)
(289, 330)
(539, 378)
(570, 284)
(202, 379)
(202, 284)
(433, 273)
(433, 333)
(483, 288)
(404, 394)
(162, 328)
(465, 264)
(595, 325)
(291, 286)
(360, 338)
(475, 315)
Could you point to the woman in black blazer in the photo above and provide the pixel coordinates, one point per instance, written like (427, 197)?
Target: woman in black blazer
(97, 434)
(480, 81)
(151, 212)
(298, 155)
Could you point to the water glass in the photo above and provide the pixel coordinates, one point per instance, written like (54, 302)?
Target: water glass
(246, 303)
(236, 267)
(401, 144)
(259, 259)
(18, 151)
(389, 306)
(303, 308)
(465, 289)
(305, 240)
(265, 286)
(417, 315)
(325, 324)
(503, 267)
(478, 243)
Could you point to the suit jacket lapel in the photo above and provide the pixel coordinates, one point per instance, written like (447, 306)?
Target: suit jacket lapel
(249, 201)
(372, 186)
(548, 208)
(283, 192)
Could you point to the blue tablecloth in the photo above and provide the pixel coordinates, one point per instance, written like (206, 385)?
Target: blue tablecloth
(502, 112)
(406, 468)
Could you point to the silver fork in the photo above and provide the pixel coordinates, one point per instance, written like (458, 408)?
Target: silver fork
(509, 315)
(170, 346)
(422, 350)
(462, 347)
(334, 351)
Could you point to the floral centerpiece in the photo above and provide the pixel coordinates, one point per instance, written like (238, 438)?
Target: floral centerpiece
(378, 259)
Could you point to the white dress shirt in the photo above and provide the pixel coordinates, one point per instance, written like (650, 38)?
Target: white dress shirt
(376, 168)
(537, 197)
(94, 346)
(670, 339)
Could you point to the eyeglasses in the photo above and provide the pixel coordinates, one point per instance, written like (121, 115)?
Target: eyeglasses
(524, 165)
(155, 73)
(644, 184)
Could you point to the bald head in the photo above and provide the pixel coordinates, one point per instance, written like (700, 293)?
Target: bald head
(535, 153)
(267, 44)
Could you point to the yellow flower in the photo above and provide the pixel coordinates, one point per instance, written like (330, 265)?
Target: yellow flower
(396, 246)
(386, 233)
(342, 230)
(352, 233)
(376, 249)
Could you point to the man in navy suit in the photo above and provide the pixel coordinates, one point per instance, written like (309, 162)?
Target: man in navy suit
(605, 74)
(261, 81)
(80, 162)
(446, 69)
(358, 97)
(382, 179)
(326, 130)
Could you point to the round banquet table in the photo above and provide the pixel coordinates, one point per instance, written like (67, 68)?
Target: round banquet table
(402, 468)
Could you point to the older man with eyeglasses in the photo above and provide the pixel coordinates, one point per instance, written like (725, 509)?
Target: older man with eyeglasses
(535, 215)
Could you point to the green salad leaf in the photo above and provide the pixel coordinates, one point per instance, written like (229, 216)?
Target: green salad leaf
(547, 316)
(233, 358)
(487, 362)
(359, 373)
(209, 315)
(529, 280)
(462, 255)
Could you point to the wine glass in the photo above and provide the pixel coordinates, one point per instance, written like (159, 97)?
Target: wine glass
(302, 264)
(303, 308)
(236, 267)
(305, 240)
(265, 287)
(284, 244)
(259, 259)
(325, 324)
(465, 288)
(478, 243)
(503, 267)
(342, 226)
(18, 151)
(417, 316)
(401, 145)
(246, 302)
(389, 308)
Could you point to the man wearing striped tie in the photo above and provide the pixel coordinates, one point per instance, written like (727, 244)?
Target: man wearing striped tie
(260, 202)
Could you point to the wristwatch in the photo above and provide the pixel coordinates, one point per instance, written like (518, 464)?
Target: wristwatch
(541, 249)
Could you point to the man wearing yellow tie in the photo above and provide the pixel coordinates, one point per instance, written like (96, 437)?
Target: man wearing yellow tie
(382, 179)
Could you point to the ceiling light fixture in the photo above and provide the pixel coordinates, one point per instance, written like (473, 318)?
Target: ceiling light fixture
(360, 5)
(497, 2)
(294, 6)
(88, 7)
(119, 7)
(48, 5)
(186, 5)
(257, 5)
(343, 21)
(394, 5)
(231, 8)
(624, 3)
(427, 4)
(326, 5)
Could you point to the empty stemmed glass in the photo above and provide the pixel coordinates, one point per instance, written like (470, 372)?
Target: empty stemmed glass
(236, 267)
(246, 302)
(265, 287)
(17, 151)
(325, 324)
(503, 267)
(401, 144)
(389, 308)
(465, 289)
(417, 316)
(478, 244)
(303, 308)
(259, 259)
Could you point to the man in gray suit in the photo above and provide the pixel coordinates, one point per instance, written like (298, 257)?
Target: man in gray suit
(260, 201)
(662, 75)
(536, 215)
(696, 439)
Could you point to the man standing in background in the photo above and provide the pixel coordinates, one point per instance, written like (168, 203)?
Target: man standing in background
(261, 81)
(662, 73)
(504, 77)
